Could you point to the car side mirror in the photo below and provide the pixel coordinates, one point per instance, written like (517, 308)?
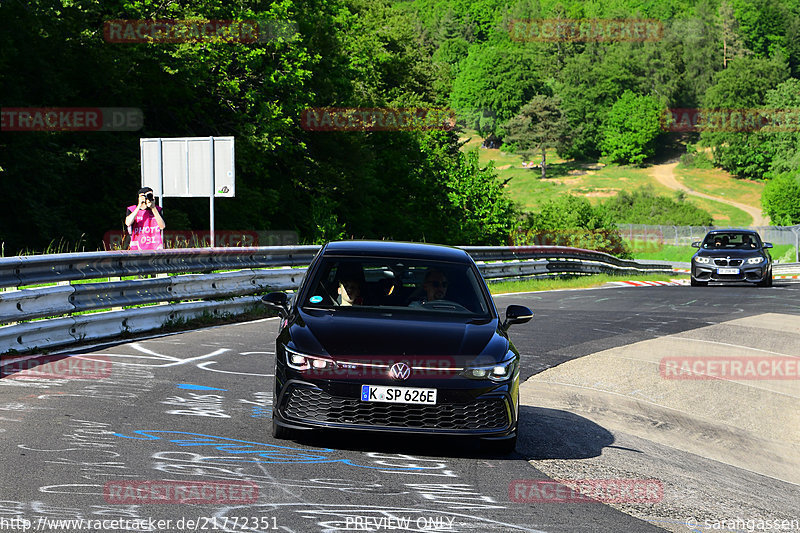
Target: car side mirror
(278, 301)
(767, 245)
(517, 314)
(696, 244)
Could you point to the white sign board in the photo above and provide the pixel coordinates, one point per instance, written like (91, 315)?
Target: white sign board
(189, 167)
(182, 166)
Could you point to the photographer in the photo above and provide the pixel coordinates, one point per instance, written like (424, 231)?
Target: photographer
(145, 223)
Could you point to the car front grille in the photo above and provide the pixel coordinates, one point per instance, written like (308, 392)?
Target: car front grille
(315, 405)
(726, 262)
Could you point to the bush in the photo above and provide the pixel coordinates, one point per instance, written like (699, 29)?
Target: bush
(571, 221)
(781, 199)
(644, 206)
(695, 159)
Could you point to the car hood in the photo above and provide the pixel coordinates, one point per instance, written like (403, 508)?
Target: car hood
(355, 335)
(733, 253)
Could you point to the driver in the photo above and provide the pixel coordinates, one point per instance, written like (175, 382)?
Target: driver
(435, 285)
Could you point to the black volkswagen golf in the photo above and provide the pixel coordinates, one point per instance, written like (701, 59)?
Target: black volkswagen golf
(396, 337)
(732, 255)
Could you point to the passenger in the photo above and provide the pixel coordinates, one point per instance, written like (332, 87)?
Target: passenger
(349, 293)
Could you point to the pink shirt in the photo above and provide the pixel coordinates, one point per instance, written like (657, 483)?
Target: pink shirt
(145, 233)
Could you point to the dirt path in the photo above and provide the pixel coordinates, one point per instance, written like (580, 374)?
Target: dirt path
(665, 174)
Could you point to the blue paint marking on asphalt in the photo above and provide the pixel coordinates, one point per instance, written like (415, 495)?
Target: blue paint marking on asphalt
(188, 386)
(269, 453)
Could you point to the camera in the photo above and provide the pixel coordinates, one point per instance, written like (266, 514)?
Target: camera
(149, 196)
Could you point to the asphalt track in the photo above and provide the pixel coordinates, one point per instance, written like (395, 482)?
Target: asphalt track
(196, 406)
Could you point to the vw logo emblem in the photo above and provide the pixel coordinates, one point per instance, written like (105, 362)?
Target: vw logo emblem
(400, 371)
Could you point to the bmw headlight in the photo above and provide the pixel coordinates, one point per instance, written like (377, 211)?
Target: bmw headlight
(755, 260)
(702, 260)
(497, 372)
(301, 361)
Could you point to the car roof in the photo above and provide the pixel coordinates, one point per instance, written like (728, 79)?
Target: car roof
(411, 250)
(733, 230)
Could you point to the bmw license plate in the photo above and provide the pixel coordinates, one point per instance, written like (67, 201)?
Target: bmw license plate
(727, 271)
(375, 393)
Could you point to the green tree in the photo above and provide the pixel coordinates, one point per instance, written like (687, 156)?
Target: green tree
(480, 212)
(539, 125)
(494, 82)
(743, 85)
(732, 42)
(447, 64)
(784, 139)
(593, 80)
(632, 127)
(769, 27)
(781, 199)
(699, 41)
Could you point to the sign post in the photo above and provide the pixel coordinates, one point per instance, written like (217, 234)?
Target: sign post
(190, 167)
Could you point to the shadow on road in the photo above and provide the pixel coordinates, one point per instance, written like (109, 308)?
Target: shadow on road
(555, 434)
(543, 434)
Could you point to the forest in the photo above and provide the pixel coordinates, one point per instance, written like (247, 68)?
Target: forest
(508, 70)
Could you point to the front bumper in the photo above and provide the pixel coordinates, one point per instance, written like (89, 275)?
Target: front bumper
(313, 405)
(747, 274)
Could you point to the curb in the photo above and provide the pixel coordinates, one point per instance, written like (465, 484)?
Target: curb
(671, 283)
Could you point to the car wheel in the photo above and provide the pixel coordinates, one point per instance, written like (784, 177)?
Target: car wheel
(767, 281)
(280, 432)
(695, 283)
(503, 447)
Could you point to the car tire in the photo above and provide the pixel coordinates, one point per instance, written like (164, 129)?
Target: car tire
(280, 432)
(695, 283)
(767, 281)
(502, 447)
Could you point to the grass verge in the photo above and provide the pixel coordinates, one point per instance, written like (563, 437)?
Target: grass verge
(652, 251)
(576, 282)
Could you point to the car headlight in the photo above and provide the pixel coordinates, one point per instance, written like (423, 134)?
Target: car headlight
(702, 260)
(755, 260)
(301, 361)
(497, 372)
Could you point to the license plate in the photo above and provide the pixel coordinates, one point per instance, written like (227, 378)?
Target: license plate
(727, 271)
(375, 393)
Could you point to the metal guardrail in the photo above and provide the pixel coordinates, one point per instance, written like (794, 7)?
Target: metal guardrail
(33, 269)
(786, 269)
(186, 296)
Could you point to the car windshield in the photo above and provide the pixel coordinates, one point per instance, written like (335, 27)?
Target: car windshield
(397, 284)
(728, 241)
